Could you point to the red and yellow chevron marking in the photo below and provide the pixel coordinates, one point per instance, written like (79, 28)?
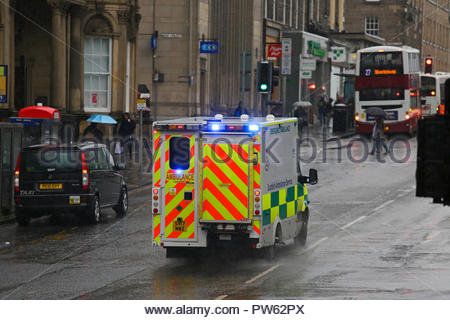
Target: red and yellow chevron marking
(175, 205)
(257, 226)
(225, 182)
(157, 228)
(157, 140)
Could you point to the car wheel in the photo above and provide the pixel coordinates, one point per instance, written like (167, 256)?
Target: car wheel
(93, 214)
(122, 207)
(22, 218)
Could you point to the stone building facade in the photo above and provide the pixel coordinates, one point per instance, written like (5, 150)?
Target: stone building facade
(78, 56)
(185, 82)
(436, 33)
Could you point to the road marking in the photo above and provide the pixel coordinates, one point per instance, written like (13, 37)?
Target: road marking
(431, 235)
(221, 297)
(315, 244)
(348, 225)
(139, 189)
(383, 205)
(262, 274)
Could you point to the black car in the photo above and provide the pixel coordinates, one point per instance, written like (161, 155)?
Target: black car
(55, 179)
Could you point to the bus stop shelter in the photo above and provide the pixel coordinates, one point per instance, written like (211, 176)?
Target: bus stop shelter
(41, 125)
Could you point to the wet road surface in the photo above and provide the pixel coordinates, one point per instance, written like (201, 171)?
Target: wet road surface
(369, 238)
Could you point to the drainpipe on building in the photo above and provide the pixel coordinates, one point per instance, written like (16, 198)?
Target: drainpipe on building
(341, 15)
(154, 85)
(332, 17)
(190, 82)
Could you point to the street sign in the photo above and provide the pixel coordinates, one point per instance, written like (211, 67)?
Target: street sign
(3, 83)
(338, 54)
(306, 74)
(141, 104)
(286, 45)
(308, 64)
(274, 51)
(209, 47)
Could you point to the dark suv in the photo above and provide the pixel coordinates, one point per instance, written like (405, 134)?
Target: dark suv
(54, 179)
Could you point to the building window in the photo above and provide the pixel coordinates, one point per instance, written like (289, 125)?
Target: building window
(97, 74)
(270, 9)
(280, 11)
(372, 26)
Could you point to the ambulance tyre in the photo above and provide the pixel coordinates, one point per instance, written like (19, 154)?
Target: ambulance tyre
(300, 239)
(271, 251)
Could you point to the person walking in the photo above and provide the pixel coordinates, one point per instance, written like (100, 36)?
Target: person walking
(378, 136)
(300, 114)
(126, 133)
(92, 132)
(329, 112)
(322, 110)
(240, 110)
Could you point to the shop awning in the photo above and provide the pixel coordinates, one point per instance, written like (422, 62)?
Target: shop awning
(39, 112)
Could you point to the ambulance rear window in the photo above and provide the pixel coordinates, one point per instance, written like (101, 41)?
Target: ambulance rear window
(179, 153)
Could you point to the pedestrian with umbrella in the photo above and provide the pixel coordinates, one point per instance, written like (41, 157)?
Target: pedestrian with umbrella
(92, 132)
(378, 134)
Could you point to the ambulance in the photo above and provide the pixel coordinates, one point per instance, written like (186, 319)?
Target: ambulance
(220, 182)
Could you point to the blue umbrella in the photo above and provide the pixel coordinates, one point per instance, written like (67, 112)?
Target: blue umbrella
(101, 118)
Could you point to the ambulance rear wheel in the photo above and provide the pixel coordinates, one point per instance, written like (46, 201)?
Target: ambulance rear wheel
(271, 252)
(301, 238)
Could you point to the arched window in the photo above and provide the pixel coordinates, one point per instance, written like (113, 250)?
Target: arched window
(97, 65)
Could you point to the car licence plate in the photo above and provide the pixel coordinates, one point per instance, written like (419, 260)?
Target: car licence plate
(74, 200)
(179, 225)
(50, 186)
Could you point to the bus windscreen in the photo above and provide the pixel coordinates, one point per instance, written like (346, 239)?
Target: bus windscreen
(381, 64)
(428, 86)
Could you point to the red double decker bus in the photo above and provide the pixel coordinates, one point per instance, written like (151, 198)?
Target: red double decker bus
(388, 77)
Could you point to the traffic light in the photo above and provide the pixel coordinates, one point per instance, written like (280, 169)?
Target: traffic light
(429, 65)
(264, 84)
(275, 76)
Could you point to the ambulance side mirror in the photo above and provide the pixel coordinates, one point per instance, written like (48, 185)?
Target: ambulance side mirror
(313, 178)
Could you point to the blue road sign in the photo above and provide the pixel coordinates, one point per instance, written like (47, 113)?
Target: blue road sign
(209, 47)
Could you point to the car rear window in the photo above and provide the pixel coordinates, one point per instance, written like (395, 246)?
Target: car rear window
(50, 160)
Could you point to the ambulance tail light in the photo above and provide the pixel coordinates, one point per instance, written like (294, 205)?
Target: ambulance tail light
(441, 109)
(257, 201)
(155, 201)
(17, 174)
(357, 116)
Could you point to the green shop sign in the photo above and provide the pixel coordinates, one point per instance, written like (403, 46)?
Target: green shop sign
(315, 49)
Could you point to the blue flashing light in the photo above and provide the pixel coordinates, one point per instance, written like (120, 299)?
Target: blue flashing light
(215, 127)
(179, 172)
(253, 127)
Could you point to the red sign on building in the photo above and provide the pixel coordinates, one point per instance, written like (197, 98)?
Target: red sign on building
(274, 51)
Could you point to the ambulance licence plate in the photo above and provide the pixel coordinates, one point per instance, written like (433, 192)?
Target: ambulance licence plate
(50, 186)
(179, 225)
